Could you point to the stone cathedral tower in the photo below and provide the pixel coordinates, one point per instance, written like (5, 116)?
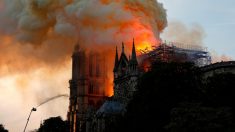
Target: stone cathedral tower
(87, 86)
(126, 74)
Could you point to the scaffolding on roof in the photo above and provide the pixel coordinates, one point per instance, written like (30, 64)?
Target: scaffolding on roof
(177, 52)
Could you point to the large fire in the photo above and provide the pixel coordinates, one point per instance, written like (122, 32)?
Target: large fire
(38, 37)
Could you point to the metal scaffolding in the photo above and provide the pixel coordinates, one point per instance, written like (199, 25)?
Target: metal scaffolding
(177, 52)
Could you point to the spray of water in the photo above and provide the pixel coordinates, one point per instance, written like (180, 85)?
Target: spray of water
(44, 102)
(52, 98)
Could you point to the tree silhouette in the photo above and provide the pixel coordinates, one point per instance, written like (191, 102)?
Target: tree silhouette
(54, 124)
(2, 129)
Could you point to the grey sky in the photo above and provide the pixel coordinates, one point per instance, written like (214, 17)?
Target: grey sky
(217, 17)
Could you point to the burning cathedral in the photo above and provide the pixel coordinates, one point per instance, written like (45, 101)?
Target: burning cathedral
(88, 102)
(90, 110)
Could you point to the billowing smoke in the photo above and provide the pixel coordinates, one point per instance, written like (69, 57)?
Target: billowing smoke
(53, 27)
(37, 38)
(218, 58)
(178, 32)
(89, 21)
(190, 35)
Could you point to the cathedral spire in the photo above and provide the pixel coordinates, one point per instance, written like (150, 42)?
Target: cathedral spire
(116, 61)
(116, 57)
(123, 48)
(133, 55)
(133, 61)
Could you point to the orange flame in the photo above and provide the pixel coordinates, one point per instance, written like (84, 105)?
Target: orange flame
(109, 91)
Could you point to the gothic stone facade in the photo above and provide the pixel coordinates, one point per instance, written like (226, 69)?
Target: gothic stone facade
(88, 111)
(89, 80)
(126, 75)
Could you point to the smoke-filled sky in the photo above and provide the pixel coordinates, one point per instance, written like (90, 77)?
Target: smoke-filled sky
(37, 39)
(216, 18)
